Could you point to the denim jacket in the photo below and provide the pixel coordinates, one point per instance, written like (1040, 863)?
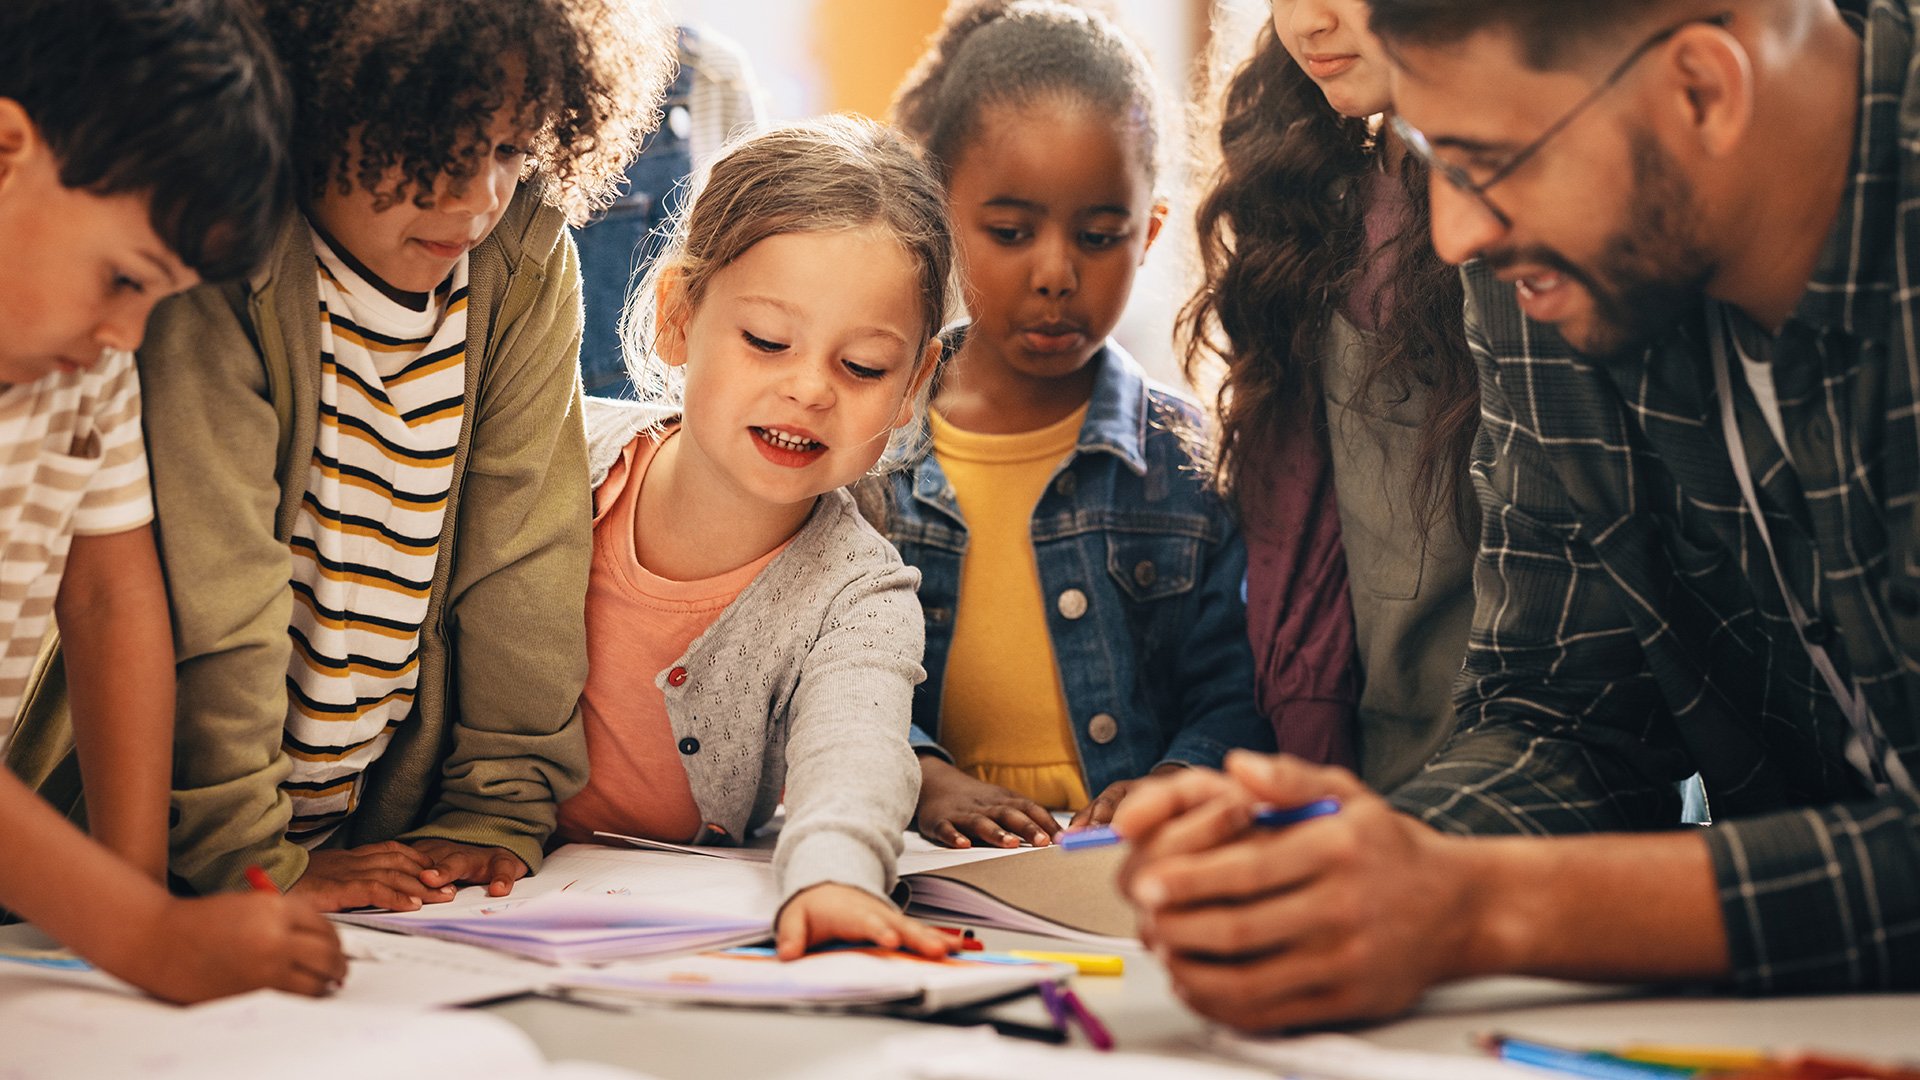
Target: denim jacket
(1142, 566)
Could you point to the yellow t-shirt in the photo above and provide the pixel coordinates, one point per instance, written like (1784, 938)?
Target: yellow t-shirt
(1003, 712)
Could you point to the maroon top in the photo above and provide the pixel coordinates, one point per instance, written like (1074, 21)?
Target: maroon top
(1298, 616)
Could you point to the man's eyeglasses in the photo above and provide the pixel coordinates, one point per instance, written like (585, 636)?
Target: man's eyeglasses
(1422, 148)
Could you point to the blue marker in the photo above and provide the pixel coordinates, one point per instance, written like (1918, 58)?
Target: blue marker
(1594, 1066)
(1270, 817)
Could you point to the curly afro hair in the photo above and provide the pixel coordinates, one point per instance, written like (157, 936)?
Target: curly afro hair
(393, 95)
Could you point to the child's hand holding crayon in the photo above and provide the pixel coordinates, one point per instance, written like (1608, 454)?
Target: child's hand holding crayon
(197, 949)
(830, 912)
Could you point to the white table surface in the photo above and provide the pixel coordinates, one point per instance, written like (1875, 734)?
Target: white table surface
(685, 1043)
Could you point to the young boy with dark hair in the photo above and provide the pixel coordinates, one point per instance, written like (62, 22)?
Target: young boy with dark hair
(372, 483)
(141, 150)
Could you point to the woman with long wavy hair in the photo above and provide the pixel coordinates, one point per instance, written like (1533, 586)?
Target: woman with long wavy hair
(1349, 404)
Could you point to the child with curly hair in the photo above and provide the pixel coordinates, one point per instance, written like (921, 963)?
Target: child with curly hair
(164, 171)
(369, 458)
(1081, 583)
(749, 636)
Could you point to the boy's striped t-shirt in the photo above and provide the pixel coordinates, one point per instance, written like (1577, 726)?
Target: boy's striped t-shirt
(71, 462)
(392, 399)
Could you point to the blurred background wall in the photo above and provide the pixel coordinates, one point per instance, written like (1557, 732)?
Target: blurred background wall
(816, 56)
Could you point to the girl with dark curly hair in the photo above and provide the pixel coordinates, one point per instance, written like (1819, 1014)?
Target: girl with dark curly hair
(1081, 582)
(1348, 384)
(369, 458)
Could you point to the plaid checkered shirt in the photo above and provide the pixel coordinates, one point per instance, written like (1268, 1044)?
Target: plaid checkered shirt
(1629, 628)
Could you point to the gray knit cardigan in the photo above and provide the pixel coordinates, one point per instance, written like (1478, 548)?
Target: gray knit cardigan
(803, 685)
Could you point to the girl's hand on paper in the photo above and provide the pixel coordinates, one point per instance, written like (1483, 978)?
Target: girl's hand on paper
(218, 945)
(957, 810)
(1349, 916)
(1100, 810)
(385, 875)
(831, 912)
(454, 864)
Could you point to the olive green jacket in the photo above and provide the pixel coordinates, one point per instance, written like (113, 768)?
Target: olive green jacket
(231, 381)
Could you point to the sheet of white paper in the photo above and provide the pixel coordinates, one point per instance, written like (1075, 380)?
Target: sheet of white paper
(85, 1033)
(917, 854)
(745, 854)
(714, 887)
(921, 855)
(40, 963)
(400, 972)
(384, 971)
(1343, 1057)
(979, 1054)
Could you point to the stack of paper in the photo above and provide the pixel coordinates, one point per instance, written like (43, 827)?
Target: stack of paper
(840, 979)
(1051, 892)
(1046, 891)
(591, 904)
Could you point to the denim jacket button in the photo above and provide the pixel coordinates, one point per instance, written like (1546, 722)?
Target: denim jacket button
(1103, 728)
(1065, 485)
(1073, 604)
(1144, 573)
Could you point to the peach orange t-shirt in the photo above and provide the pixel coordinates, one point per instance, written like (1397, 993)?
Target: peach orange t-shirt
(638, 625)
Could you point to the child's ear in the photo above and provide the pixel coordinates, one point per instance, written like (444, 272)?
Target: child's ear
(1156, 217)
(672, 311)
(929, 363)
(17, 138)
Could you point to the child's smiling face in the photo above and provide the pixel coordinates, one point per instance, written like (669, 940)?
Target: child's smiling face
(79, 272)
(413, 248)
(1053, 211)
(802, 357)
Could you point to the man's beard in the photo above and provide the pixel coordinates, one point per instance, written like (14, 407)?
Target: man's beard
(1650, 274)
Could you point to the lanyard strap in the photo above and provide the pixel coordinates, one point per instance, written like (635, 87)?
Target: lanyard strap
(1867, 748)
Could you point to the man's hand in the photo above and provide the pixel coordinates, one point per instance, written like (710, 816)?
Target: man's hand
(1343, 917)
(957, 810)
(387, 875)
(454, 864)
(830, 912)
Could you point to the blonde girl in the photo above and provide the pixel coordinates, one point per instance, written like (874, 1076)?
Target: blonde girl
(750, 636)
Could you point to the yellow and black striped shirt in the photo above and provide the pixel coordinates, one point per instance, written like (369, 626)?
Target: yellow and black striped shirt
(392, 394)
